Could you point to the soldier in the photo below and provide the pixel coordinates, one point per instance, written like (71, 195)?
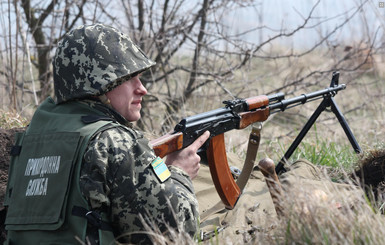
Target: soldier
(83, 172)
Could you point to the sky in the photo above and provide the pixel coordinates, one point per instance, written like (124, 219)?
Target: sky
(288, 15)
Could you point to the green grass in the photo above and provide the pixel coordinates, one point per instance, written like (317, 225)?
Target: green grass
(319, 150)
(325, 153)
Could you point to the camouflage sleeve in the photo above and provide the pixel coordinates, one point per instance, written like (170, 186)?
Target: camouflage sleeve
(117, 175)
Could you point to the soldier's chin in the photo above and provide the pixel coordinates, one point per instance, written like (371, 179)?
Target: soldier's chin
(134, 117)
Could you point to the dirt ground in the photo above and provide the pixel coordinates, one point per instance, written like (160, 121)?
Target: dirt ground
(372, 171)
(6, 142)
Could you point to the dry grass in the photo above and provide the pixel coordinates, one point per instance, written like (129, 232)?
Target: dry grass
(9, 119)
(322, 224)
(330, 216)
(327, 214)
(326, 217)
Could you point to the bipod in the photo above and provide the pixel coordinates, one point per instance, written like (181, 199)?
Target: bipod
(327, 102)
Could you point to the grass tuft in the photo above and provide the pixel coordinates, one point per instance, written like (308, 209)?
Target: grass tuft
(9, 119)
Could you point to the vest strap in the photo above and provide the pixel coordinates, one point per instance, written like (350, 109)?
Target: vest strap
(95, 118)
(15, 150)
(93, 217)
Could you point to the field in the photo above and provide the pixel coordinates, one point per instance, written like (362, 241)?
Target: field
(362, 104)
(329, 218)
(200, 63)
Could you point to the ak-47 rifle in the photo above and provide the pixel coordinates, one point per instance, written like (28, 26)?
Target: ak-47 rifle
(238, 114)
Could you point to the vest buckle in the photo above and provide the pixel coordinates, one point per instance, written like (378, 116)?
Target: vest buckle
(94, 218)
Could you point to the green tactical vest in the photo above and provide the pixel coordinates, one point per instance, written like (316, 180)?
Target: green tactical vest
(45, 205)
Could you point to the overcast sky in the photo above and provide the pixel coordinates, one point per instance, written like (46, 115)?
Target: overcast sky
(288, 15)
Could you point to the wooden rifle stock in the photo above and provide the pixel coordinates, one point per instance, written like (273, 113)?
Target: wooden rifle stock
(167, 144)
(267, 168)
(216, 155)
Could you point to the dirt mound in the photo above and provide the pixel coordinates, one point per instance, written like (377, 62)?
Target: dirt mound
(371, 173)
(6, 142)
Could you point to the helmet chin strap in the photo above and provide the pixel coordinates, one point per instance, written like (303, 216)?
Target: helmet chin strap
(103, 98)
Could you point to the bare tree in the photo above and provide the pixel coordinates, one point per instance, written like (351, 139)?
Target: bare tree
(197, 50)
(216, 54)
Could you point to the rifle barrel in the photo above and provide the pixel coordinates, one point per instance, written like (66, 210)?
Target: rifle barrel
(276, 97)
(282, 105)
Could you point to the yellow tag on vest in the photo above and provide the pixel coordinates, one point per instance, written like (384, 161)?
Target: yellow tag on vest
(160, 169)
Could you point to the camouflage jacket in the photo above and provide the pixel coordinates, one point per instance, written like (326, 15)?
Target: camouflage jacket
(117, 177)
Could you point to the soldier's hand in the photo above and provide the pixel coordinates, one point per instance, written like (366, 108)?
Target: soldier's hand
(188, 159)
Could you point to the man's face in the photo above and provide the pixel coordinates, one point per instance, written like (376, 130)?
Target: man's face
(127, 97)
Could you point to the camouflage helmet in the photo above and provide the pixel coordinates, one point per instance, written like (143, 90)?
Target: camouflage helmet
(92, 60)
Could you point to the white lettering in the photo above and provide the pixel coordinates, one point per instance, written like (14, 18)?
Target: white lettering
(42, 166)
(37, 187)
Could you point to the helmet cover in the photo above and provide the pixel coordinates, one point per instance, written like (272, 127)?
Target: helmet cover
(92, 60)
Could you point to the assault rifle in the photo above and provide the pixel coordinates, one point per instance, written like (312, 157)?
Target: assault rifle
(238, 114)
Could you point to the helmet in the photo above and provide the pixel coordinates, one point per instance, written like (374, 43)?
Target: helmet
(92, 60)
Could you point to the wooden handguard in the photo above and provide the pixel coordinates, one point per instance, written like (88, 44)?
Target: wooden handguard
(257, 102)
(225, 185)
(267, 168)
(251, 117)
(257, 111)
